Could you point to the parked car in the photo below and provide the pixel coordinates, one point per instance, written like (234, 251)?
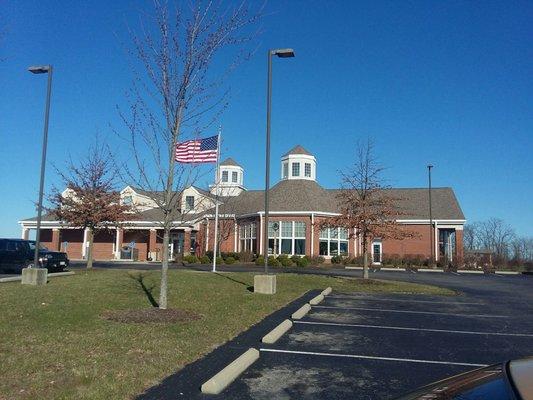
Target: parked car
(16, 254)
(512, 380)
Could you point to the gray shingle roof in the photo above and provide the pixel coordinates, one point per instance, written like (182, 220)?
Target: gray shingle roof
(297, 150)
(305, 195)
(230, 162)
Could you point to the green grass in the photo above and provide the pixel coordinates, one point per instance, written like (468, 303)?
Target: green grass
(55, 345)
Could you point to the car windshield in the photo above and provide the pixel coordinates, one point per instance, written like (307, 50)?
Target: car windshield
(32, 246)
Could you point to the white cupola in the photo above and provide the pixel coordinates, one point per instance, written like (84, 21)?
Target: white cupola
(230, 179)
(298, 163)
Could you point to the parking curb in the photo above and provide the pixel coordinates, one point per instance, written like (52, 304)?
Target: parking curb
(316, 300)
(277, 332)
(326, 291)
(300, 313)
(430, 270)
(228, 374)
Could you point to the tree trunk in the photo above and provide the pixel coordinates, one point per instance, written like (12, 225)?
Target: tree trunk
(90, 238)
(164, 270)
(365, 260)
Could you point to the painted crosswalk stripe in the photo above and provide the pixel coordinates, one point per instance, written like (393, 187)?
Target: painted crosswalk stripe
(358, 356)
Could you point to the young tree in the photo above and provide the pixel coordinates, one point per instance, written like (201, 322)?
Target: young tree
(179, 96)
(365, 206)
(90, 199)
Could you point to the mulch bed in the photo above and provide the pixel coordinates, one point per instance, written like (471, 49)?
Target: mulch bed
(150, 315)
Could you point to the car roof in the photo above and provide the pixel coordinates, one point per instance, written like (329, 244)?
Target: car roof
(521, 372)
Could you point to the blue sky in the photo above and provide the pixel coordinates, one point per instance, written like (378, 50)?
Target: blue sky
(450, 83)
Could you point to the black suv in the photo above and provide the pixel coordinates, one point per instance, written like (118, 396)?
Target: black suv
(16, 254)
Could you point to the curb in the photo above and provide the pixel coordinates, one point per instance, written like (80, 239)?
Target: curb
(228, 374)
(357, 268)
(392, 269)
(430, 270)
(467, 271)
(316, 300)
(300, 313)
(277, 332)
(326, 291)
(507, 272)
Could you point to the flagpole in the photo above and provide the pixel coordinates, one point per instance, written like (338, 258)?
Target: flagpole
(217, 180)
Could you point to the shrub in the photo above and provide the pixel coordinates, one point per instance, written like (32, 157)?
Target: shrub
(336, 259)
(220, 261)
(316, 260)
(295, 258)
(285, 261)
(260, 261)
(229, 260)
(191, 259)
(302, 262)
(245, 256)
(272, 261)
(209, 254)
(234, 255)
(205, 260)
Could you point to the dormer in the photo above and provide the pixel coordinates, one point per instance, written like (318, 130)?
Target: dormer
(230, 179)
(298, 163)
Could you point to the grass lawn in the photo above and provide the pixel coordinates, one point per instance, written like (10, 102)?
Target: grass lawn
(55, 345)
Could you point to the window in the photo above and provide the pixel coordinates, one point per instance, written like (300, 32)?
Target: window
(189, 203)
(285, 170)
(289, 238)
(307, 170)
(224, 176)
(234, 177)
(333, 242)
(127, 200)
(295, 169)
(247, 235)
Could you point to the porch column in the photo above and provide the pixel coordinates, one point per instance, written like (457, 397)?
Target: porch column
(436, 238)
(260, 234)
(25, 233)
(312, 235)
(84, 244)
(187, 241)
(207, 236)
(235, 237)
(152, 253)
(119, 237)
(55, 239)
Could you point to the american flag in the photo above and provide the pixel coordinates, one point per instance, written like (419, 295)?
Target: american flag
(198, 150)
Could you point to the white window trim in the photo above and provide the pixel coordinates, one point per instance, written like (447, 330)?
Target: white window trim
(330, 239)
(293, 238)
(380, 244)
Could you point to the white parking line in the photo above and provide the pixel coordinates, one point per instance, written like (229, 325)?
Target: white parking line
(411, 360)
(414, 312)
(455, 273)
(403, 300)
(401, 328)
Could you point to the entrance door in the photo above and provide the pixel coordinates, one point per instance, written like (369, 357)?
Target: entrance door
(177, 241)
(446, 244)
(376, 253)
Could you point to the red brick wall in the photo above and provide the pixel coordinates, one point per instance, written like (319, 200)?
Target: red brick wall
(74, 237)
(141, 238)
(103, 245)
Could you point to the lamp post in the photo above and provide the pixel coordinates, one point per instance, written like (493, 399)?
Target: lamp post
(43, 69)
(282, 53)
(431, 233)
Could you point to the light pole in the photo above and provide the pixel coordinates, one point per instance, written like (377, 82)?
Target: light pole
(282, 53)
(43, 69)
(430, 217)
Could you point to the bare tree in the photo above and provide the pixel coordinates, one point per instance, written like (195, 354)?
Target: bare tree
(470, 236)
(494, 234)
(522, 249)
(179, 96)
(365, 205)
(90, 199)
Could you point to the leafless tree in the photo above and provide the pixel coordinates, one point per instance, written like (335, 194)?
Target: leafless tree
(470, 236)
(365, 205)
(179, 95)
(90, 199)
(494, 234)
(522, 249)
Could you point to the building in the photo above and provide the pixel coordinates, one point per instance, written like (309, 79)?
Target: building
(298, 204)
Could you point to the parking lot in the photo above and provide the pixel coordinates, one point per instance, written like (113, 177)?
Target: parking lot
(379, 347)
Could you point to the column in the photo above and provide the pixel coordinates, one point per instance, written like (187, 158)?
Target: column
(312, 235)
(187, 242)
(235, 237)
(260, 234)
(119, 237)
(84, 244)
(436, 239)
(152, 251)
(207, 236)
(25, 233)
(55, 239)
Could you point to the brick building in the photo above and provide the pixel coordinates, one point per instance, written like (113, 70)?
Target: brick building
(298, 206)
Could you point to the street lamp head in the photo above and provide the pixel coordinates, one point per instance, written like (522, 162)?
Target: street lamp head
(430, 166)
(39, 69)
(283, 53)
